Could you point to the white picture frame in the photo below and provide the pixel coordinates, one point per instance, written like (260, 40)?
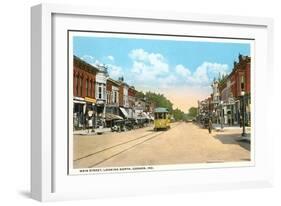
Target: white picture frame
(49, 177)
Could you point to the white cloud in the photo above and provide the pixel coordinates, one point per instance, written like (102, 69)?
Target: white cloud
(205, 73)
(148, 65)
(202, 76)
(183, 71)
(152, 70)
(115, 71)
(88, 58)
(111, 58)
(91, 60)
(168, 81)
(216, 68)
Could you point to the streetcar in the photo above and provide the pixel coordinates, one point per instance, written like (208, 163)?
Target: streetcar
(161, 118)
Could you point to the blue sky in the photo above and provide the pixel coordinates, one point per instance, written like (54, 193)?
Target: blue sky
(166, 66)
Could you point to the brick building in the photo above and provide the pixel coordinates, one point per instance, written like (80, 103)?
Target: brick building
(231, 88)
(126, 99)
(241, 76)
(84, 78)
(132, 96)
(112, 102)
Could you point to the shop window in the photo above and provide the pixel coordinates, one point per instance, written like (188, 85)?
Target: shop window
(76, 86)
(81, 86)
(90, 88)
(108, 97)
(242, 83)
(87, 83)
(115, 97)
(93, 87)
(100, 91)
(104, 91)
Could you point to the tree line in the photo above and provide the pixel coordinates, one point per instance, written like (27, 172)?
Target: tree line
(159, 100)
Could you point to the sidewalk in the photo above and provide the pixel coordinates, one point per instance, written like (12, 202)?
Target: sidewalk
(225, 127)
(217, 128)
(91, 132)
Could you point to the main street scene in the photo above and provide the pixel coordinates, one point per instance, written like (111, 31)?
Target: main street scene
(139, 102)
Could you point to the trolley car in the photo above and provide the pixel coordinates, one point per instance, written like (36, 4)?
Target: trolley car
(161, 118)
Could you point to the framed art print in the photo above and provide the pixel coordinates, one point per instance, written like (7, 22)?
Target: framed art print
(133, 102)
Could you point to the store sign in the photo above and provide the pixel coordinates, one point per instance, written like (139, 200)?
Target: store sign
(88, 99)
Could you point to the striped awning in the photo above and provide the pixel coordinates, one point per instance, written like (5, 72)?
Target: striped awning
(109, 117)
(124, 112)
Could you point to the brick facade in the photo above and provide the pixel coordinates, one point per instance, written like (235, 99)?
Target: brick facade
(132, 96)
(109, 84)
(241, 76)
(84, 78)
(121, 95)
(248, 77)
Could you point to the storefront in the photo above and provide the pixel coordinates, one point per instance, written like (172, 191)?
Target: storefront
(100, 114)
(247, 102)
(83, 113)
(90, 113)
(79, 108)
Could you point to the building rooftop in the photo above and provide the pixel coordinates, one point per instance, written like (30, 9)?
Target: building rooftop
(84, 65)
(114, 81)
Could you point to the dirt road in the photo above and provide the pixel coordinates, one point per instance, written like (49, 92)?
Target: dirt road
(183, 143)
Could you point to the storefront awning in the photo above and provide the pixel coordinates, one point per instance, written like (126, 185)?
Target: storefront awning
(88, 99)
(141, 115)
(124, 112)
(79, 102)
(145, 115)
(109, 117)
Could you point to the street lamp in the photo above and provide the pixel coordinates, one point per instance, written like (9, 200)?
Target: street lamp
(243, 113)
(221, 103)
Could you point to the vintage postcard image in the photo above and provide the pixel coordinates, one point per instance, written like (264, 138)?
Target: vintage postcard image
(141, 102)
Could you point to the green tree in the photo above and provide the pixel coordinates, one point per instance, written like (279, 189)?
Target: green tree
(178, 114)
(192, 112)
(140, 95)
(159, 100)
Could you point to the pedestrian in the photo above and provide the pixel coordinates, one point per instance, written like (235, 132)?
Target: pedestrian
(210, 125)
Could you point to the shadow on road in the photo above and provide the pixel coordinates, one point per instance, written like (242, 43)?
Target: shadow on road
(233, 139)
